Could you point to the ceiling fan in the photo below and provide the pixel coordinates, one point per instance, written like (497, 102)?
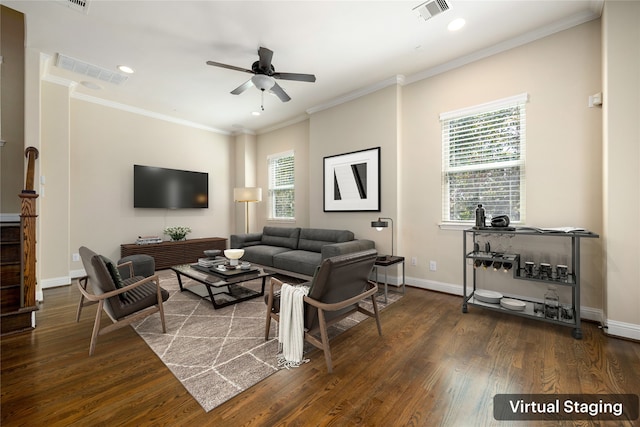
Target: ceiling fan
(265, 75)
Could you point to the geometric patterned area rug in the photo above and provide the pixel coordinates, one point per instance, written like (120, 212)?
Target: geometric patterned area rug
(217, 354)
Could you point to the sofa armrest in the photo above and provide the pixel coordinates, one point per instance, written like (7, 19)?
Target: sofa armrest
(335, 249)
(239, 241)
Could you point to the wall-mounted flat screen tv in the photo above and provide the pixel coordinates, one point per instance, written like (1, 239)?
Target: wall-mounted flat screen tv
(169, 188)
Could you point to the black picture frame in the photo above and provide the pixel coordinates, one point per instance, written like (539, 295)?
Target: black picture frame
(351, 181)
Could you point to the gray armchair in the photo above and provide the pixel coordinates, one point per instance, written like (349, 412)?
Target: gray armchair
(124, 300)
(338, 286)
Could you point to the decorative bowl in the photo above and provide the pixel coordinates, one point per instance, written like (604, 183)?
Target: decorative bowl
(233, 255)
(212, 253)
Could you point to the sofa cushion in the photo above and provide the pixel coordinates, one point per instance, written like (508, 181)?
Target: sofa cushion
(262, 254)
(304, 262)
(313, 239)
(286, 237)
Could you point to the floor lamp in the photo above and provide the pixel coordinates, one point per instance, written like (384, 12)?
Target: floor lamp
(380, 224)
(246, 195)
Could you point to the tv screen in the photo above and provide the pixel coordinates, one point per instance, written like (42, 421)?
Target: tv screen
(169, 188)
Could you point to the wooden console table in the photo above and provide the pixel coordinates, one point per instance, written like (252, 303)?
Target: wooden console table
(167, 254)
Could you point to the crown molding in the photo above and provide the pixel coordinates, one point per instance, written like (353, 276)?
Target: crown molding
(293, 121)
(143, 112)
(70, 84)
(395, 80)
(529, 37)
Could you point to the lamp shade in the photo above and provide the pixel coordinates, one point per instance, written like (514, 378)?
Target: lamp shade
(379, 224)
(247, 194)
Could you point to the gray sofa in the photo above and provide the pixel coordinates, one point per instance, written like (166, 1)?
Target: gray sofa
(296, 250)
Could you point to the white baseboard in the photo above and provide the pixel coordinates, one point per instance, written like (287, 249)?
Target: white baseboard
(51, 283)
(9, 217)
(587, 313)
(55, 282)
(622, 329)
(77, 273)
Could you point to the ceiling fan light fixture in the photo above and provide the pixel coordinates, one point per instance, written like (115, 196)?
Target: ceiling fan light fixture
(263, 82)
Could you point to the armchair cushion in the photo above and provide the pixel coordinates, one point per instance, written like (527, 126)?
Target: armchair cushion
(115, 276)
(139, 297)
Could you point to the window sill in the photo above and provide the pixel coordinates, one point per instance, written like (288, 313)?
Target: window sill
(455, 225)
(464, 225)
(285, 220)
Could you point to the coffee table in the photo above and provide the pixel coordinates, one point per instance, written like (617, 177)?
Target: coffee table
(221, 288)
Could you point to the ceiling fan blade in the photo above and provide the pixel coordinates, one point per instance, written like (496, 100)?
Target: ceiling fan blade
(244, 86)
(280, 93)
(265, 58)
(230, 67)
(295, 76)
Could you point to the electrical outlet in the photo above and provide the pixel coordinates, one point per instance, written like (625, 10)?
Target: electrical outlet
(414, 261)
(75, 257)
(433, 266)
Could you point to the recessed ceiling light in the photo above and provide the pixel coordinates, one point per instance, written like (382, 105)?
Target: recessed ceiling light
(456, 24)
(125, 69)
(255, 113)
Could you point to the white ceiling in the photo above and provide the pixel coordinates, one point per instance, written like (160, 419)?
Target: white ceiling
(351, 46)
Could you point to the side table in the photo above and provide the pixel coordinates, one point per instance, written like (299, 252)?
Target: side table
(386, 263)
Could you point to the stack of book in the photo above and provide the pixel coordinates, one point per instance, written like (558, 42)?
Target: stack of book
(210, 262)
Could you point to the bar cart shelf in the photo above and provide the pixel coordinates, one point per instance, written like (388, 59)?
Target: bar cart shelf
(567, 316)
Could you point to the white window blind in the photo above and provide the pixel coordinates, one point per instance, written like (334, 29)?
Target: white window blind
(281, 186)
(483, 160)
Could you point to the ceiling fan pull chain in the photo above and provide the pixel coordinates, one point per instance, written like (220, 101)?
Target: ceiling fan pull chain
(262, 100)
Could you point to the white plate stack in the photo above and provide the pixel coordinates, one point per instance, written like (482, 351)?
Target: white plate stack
(513, 304)
(490, 297)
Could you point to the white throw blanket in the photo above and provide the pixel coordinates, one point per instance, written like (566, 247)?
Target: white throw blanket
(291, 327)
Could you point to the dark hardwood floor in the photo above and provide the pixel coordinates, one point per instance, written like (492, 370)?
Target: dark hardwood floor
(433, 366)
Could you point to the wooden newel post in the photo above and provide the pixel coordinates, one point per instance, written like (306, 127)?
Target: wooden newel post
(31, 153)
(28, 224)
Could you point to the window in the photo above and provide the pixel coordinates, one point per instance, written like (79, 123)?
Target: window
(281, 186)
(483, 160)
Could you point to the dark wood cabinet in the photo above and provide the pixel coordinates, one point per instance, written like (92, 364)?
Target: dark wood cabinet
(167, 254)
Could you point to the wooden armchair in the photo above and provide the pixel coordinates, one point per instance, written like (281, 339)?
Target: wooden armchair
(338, 286)
(124, 301)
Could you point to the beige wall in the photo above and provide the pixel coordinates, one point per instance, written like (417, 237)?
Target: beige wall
(368, 122)
(563, 151)
(296, 138)
(53, 212)
(621, 108)
(102, 159)
(87, 155)
(244, 176)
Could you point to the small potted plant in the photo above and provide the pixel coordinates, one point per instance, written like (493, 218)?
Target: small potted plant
(177, 233)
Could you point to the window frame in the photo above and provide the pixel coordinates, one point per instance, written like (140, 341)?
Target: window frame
(272, 160)
(447, 118)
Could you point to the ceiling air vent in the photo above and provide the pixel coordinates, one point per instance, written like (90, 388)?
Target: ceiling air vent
(81, 67)
(431, 8)
(78, 5)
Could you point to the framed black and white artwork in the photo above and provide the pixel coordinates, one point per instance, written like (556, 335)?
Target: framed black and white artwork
(352, 181)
